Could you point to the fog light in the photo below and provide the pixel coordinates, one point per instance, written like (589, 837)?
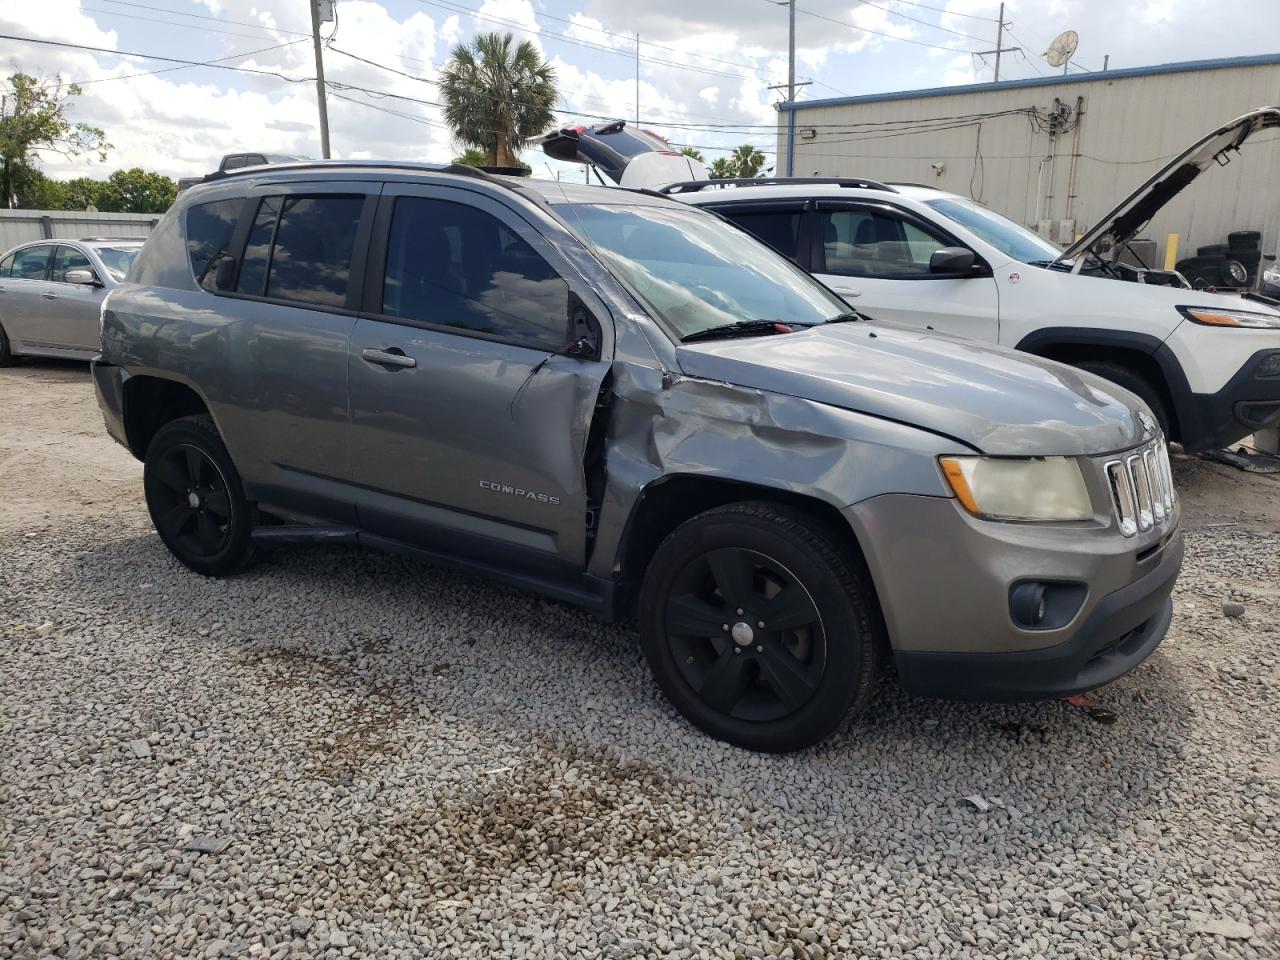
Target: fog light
(1027, 604)
(1269, 367)
(1045, 605)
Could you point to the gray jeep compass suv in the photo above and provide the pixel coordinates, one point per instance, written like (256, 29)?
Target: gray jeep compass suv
(630, 405)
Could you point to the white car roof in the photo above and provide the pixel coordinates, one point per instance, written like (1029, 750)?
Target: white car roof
(775, 191)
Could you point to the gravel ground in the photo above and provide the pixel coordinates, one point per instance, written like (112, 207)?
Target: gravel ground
(349, 754)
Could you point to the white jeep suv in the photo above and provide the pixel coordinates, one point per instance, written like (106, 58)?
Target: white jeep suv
(1207, 365)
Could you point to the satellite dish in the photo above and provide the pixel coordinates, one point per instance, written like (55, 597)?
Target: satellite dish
(1063, 46)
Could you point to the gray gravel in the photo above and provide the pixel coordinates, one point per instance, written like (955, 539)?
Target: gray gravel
(349, 754)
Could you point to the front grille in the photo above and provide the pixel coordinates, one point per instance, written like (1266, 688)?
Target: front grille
(1142, 488)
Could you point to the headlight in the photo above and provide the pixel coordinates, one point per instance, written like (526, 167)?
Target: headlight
(1212, 317)
(1048, 488)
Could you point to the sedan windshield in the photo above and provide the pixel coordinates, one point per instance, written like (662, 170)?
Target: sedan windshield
(696, 272)
(1001, 232)
(117, 260)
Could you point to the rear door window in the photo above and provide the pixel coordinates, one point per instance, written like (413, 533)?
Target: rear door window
(69, 258)
(210, 227)
(311, 257)
(452, 265)
(31, 263)
(257, 253)
(780, 229)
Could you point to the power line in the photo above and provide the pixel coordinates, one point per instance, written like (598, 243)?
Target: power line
(174, 23)
(201, 16)
(877, 33)
(202, 63)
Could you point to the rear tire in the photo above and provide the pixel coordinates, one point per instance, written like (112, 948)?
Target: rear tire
(195, 498)
(1134, 383)
(760, 627)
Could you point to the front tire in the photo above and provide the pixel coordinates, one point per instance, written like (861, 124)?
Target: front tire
(6, 352)
(760, 627)
(195, 498)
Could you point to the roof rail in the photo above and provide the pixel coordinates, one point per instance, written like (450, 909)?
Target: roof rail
(693, 186)
(108, 239)
(458, 169)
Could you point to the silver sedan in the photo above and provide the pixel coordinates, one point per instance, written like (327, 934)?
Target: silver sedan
(51, 292)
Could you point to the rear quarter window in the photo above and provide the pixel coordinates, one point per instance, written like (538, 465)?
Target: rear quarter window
(210, 227)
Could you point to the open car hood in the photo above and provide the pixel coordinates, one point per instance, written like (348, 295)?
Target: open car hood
(1135, 211)
(628, 156)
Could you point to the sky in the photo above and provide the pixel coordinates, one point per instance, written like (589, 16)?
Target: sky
(704, 66)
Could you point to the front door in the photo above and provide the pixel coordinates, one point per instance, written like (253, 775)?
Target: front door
(25, 297)
(73, 310)
(469, 424)
(876, 256)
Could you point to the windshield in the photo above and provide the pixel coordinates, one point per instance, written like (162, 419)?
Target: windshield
(695, 272)
(117, 260)
(1001, 232)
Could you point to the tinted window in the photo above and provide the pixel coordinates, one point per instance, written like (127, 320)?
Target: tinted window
(5, 265)
(311, 261)
(69, 258)
(1001, 232)
(780, 229)
(31, 262)
(869, 242)
(210, 227)
(456, 266)
(257, 253)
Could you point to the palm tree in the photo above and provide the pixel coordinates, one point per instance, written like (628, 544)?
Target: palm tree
(474, 157)
(498, 95)
(692, 152)
(747, 161)
(721, 169)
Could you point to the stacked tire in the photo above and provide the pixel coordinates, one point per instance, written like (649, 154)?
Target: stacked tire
(1230, 264)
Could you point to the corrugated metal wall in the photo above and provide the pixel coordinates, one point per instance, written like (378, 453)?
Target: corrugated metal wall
(1130, 127)
(19, 226)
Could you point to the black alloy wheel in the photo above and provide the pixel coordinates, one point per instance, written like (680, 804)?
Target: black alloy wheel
(195, 498)
(745, 634)
(760, 624)
(193, 507)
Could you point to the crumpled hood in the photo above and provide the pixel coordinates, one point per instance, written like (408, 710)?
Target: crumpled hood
(998, 401)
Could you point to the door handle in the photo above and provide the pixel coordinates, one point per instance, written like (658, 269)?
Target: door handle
(847, 291)
(393, 357)
(49, 296)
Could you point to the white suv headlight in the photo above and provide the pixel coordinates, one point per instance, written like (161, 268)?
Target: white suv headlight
(1042, 488)
(1213, 317)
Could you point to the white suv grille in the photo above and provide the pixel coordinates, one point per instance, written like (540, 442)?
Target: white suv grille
(1142, 488)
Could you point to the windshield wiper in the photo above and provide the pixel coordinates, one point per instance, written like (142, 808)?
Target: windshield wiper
(850, 317)
(739, 328)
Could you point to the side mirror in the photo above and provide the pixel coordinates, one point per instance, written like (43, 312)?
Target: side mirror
(952, 260)
(83, 277)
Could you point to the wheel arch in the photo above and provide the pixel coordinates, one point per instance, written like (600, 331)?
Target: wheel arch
(668, 501)
(149, 402)
(1145, 355)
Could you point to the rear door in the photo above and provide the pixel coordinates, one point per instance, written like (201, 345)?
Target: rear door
(73, 307)
(469, 425)
(876, 256)
(24, 297)
(280, 337)
(780, 224)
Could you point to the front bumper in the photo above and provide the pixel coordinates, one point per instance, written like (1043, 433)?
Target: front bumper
(1246, 404)
(944, 580)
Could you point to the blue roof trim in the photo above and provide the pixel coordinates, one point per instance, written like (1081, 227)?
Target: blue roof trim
(1186, 66)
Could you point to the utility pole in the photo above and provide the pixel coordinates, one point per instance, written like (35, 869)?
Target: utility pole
(1000, 47)
(320, 97)
(791, 85)
(637, 80)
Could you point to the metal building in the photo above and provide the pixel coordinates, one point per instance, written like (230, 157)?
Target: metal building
(1056, 153)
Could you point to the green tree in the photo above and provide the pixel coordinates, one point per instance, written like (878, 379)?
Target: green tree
(747, 161)
(721, 169)
(136, 191)
(78, 194)
(694, 153)
(498, 95)
(33, 120)
(473, 157)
